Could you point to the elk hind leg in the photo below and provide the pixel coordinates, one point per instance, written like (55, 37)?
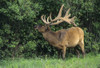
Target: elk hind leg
(81, 44)
(59, 53)
(78, 53)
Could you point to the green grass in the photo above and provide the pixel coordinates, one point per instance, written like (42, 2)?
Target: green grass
(88, 62)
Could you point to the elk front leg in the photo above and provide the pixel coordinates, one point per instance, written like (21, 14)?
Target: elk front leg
(64, 52)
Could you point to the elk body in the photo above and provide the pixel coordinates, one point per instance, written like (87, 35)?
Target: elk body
(64, 38)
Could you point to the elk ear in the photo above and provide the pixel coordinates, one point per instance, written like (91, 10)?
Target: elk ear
(47, 27)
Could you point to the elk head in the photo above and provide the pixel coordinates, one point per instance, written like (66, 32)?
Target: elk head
(42, 28)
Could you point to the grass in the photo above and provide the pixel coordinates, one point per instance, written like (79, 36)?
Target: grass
(87, 62)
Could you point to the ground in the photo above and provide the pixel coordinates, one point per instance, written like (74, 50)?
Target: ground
(90, 61)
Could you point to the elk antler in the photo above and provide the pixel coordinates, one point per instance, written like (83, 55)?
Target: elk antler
(66, 18)
(59, 19)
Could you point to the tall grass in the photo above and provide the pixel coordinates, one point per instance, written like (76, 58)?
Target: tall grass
(87, 62)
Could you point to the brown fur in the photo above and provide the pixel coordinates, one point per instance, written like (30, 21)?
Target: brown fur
(64, 38)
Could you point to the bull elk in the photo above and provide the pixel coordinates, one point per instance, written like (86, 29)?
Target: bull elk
(63, 38)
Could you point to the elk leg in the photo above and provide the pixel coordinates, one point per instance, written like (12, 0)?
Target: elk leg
(64, 52)
(78, 54)
(82, 48)
(59, 53)
(77, 51)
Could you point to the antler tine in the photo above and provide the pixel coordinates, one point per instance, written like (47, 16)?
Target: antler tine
(50, 17)
(48, 20)
(59, 14)
(67, 12)
(43, 19)
(72, 21)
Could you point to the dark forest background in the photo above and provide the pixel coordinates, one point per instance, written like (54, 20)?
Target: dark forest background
(18, 38)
